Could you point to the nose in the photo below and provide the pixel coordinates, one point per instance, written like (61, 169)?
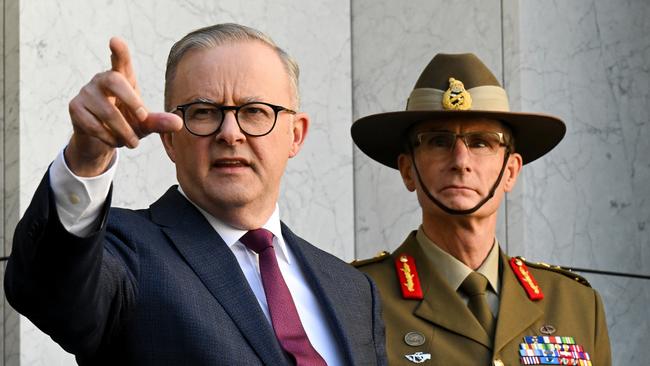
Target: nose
(230, 133)
(461, 156)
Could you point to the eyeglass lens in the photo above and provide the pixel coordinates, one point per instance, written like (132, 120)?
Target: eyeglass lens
(205, 118)
(442, 142)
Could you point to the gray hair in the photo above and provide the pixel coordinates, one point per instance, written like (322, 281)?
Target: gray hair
(220, 34)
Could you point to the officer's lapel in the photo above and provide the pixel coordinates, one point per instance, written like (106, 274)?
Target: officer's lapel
(441, 304)
(516, 311)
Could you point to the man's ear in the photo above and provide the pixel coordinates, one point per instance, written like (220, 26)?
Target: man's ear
(513, 168)
(167, 139)
(404, 164)
(299, 129)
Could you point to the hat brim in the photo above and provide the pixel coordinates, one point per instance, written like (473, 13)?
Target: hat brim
(382, 136)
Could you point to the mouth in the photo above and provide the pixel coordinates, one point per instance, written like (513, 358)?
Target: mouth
(457, 188)
(230, 163)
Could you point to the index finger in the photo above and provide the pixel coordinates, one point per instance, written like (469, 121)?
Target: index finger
(121, 59)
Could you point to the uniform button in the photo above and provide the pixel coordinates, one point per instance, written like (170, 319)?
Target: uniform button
(74, 199)
(498, 363)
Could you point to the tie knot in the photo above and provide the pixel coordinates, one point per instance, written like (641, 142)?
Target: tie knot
(258, 240)
(474, 284)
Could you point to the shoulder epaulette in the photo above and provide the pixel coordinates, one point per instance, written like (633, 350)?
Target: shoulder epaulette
(557, 269)
(377, 258)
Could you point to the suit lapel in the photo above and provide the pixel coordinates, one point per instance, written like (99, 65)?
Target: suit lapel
(326, 288)
(441, 304)
(516, 311)
(218, 269)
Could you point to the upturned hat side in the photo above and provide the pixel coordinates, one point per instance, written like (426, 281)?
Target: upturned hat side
(455, 86)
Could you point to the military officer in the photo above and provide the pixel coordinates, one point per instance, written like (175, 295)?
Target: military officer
(450, 295)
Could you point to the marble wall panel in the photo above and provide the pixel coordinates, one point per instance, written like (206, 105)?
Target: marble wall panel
(64, 43)
(10, 163)
(587, 203)
(626, 304)
(392, 42)
(512, 231)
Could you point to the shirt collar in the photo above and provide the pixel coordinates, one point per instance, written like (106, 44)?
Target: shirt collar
(455, 271)
(490, 267)
(231, 235)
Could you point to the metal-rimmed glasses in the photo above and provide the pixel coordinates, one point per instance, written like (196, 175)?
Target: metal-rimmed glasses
(480, 143)
(204, 117)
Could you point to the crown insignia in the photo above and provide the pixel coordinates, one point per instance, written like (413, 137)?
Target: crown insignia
(456, 97)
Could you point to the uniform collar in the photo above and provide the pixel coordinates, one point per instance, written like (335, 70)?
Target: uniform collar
(231, 235)
(454, 271)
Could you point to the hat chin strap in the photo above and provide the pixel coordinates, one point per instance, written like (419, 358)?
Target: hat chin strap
(451, 211)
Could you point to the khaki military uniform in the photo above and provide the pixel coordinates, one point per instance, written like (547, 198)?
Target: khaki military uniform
(449, 333)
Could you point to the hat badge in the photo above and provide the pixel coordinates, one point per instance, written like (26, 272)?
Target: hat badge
(456, 97)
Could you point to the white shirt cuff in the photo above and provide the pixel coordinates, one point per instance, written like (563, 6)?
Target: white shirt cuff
(79, 200)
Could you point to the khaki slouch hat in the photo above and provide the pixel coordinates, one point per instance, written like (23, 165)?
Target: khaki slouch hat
(455, 85)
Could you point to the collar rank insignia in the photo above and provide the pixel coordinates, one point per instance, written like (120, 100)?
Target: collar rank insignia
(418, 357)
(408, 278)
(526, 279)
(456, 97)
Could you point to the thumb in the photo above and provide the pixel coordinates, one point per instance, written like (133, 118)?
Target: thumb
(160, 123)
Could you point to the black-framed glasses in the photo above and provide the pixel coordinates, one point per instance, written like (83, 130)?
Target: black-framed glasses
(481, 143)
(204, 117)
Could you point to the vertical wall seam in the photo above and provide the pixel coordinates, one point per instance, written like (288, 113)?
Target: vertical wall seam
(4, 178)
(503, 80)
(352, 113)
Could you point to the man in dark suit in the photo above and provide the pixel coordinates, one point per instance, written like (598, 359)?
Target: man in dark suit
(450, 296)
(208, 274)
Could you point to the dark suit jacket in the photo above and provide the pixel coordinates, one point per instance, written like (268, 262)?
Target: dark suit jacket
(160, 287)
(452, 334)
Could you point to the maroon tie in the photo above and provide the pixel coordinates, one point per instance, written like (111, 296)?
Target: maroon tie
(284, 316)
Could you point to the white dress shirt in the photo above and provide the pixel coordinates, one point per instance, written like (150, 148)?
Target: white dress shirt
(79, 201)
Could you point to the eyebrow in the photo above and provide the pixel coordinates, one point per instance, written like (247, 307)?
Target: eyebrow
(203, 100)
(243, 100)
(254, 98)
